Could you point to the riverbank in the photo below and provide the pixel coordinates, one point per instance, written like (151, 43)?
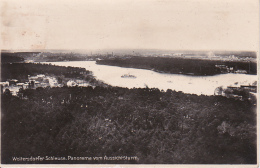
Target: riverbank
(191, 66)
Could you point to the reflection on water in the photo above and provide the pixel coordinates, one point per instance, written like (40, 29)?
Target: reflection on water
(187, 84)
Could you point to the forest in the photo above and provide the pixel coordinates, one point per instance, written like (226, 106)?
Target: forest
(10, 57)
(159, 127)
(22, 70)
(179, 65)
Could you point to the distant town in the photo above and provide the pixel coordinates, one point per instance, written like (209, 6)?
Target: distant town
(45, 56)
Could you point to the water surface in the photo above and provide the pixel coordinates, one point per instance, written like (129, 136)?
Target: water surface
(188, 84)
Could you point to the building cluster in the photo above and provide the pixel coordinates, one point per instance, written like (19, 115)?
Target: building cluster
(14, 86)
(234, 58)
(225, 68)
(77, 82)
(241, 92)
(211, 56)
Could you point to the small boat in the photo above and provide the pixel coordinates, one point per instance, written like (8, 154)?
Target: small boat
(128, 76)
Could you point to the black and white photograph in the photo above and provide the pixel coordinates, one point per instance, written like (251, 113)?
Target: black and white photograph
(129, 82)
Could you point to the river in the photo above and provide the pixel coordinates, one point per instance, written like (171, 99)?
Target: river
(188, 84)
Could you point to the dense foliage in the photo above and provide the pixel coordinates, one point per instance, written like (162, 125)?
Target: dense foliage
(156, 126)
(10, 57)
(178, 65)
(22, 70)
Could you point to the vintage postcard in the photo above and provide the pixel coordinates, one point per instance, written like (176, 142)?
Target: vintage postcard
(129, 83)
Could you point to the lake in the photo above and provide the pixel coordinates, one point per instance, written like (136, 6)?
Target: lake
(188, 84)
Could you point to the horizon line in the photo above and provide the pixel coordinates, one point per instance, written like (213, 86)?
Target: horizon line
(117, 49)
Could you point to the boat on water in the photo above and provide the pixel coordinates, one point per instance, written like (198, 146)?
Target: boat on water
(128, 76)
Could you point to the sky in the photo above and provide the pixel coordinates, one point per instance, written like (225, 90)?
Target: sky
(130, 24)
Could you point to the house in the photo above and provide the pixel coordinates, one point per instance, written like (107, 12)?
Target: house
(241, 71)
(20, 85)
(40, 76)
(4, 83)
(37, 84)
(250, 88)
(12, 82)
(26, 85)
(71, 83)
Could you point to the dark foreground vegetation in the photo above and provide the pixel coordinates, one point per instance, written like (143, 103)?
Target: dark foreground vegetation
(179, 65)
(156, 126)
